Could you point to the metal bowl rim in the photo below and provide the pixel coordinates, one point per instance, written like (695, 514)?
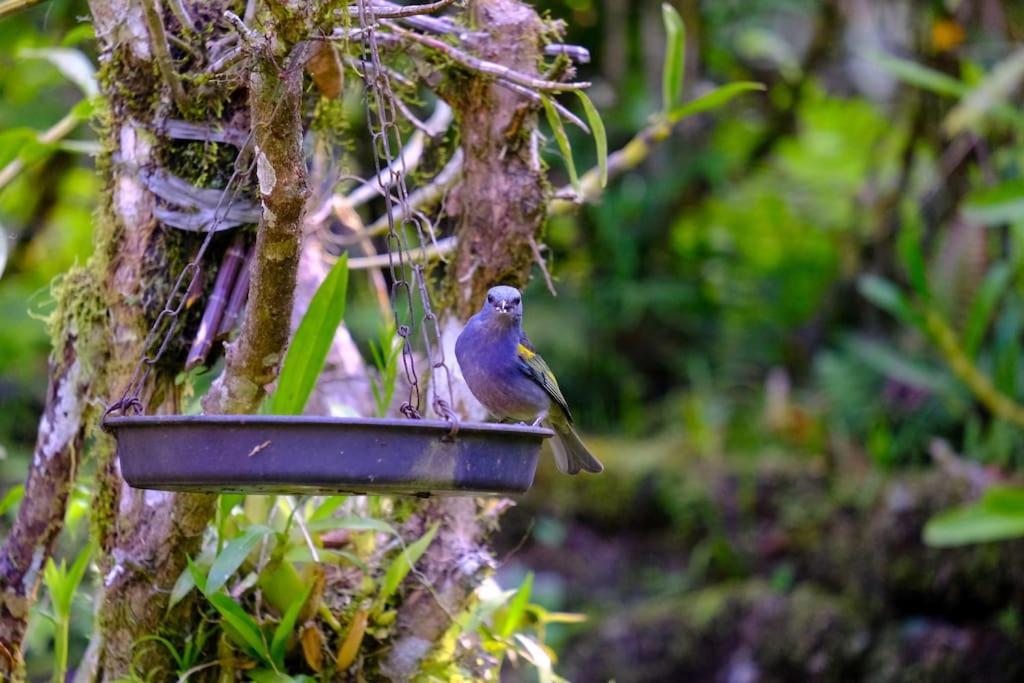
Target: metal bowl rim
(273, 420)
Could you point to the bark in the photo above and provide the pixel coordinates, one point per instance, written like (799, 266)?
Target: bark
(167, 528)
(92, 333)
(502, 199)
(501, 204)
(275, 103)
(41, 515)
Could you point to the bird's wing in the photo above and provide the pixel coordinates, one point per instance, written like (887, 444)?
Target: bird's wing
(536, 369)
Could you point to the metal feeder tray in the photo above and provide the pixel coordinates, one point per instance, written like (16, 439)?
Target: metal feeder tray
(317, 455)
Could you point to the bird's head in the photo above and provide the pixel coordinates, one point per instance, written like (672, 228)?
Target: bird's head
(504, 303)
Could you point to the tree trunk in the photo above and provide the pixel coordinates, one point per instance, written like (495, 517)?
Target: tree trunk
(100, 327)
(503, 197)
(157, 531)
(501, 204)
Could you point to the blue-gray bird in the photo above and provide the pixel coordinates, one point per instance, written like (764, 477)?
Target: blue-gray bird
(511, 380)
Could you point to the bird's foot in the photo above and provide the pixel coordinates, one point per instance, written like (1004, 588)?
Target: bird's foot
(540, 418)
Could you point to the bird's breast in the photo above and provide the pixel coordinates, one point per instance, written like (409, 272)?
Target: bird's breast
(492, 372)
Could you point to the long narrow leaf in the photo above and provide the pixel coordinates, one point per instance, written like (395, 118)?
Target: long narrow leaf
(182, 587)
(563, 141)
(242, 626)
(994, 206)
(403, 564)
(675, 57)
(285, 628)
(16, 493)
(600, 136)
(712, 100)
(992, 93)
(353, 523)
(967, 525)
(516, 608)
(996, 281)
(308, 350)
(887, 296)
(326, 508)
(232, 557)
(921, 76)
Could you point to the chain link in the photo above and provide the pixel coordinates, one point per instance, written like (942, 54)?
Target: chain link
(405, 273)
(381, 119)
(167, 320)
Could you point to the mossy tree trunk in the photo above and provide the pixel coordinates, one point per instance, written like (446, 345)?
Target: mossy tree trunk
(500, 207)
(105, 309)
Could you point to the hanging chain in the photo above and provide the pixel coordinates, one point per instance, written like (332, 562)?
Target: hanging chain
(405, 273)
(167, 320)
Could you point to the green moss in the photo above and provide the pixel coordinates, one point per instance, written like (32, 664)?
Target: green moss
(130, 82)
(203, 164)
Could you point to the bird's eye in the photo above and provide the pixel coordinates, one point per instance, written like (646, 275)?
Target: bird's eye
(490, 298)
(515, 302)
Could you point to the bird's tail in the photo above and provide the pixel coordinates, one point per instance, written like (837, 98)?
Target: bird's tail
(571, 456)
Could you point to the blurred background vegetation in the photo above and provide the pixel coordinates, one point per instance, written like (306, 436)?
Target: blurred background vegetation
(793, 335)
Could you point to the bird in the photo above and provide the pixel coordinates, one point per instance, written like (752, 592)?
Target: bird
(506, 374)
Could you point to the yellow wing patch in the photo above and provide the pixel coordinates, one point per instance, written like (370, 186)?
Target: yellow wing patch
(538, 370)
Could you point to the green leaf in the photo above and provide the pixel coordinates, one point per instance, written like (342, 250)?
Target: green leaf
(182, 587)
(675, 57)
(1005, 500)
(983, 307)
(12, 141)
(994, 206)
(403, 564)
(921, 76)
(326, 508)
(516, 608)
(887, 296)
(62, 582)
(17, 492)
(998, 516)
(75, 66)
(908, 244)
(231, 558)
(243, 628)
(78, 34)
(563, 140)
(227, 502)
(712, 99)
(302, 554)
(891, 363)
(271, 676)
(285, 628)
(75, 576)
(85, 108)
(600, 136)
(991, 94)
(353, 523)
(308, 350)
(198, 576)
